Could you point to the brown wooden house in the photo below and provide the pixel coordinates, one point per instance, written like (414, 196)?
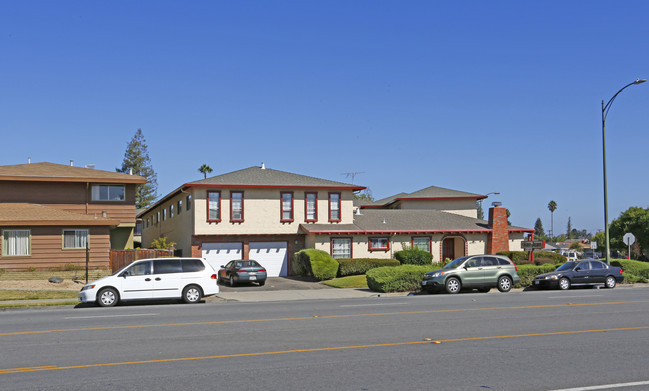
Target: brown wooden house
(48, 212)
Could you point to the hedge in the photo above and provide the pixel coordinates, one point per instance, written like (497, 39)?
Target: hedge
(316, 263)
(540, 257)
(352, 267)
(631, 267)
(404, 278)
(528, 272)
(414, 256)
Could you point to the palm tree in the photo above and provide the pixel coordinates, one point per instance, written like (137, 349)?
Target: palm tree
(205, 169)
(552, 206)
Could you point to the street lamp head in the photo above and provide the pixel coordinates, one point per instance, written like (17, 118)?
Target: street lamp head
(639, 81)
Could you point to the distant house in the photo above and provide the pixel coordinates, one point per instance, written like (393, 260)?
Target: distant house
(268, 215)
(48, 212)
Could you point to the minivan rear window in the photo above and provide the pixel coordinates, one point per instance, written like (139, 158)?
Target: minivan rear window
(164, 266)
(192, 265)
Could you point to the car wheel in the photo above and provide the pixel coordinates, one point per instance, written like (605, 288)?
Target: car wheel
(262, 283)
(107, 297)
(504, 284)
(231, 281)
(564, 283)
(453, 285)
(484, 290)
(192, 294)
(610, 282)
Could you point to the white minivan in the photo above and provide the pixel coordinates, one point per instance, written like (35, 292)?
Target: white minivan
(160, 278)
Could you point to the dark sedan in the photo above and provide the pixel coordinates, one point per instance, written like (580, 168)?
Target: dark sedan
(243, 270)
(581, 273)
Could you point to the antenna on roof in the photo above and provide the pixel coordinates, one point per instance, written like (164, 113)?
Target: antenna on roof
(352, 174)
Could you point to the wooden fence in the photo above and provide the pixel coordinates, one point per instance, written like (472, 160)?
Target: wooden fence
(121, 258)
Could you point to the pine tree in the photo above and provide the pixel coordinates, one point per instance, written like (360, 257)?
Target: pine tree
(569, 229)
(538, 228)
(136, 158)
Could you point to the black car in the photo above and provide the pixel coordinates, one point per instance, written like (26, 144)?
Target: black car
(581, 273)
(242, 270)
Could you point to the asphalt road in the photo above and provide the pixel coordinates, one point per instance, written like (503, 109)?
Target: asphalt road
(547, 340)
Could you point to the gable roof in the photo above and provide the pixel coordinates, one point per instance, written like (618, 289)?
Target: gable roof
(52, 172)
(389, 221)
(266, 177)
(428, 193)
(24, 214)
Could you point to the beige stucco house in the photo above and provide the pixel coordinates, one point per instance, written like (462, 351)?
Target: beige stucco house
(268, 215)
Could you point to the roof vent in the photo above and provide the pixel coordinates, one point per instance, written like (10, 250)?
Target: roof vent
(384, 221)
(263, 165)
(130, 171)
(71, 163)
(29, 160)
(91, 166)
(358, 211)
(497, 203)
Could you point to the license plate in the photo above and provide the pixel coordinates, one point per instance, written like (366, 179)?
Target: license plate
(537, 282)
(253, 277)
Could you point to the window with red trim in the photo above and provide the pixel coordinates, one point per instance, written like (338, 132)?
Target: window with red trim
(236, 206)
(334, 206)
(214, 206)
(379, 244)
(286, 206)
(310, 207)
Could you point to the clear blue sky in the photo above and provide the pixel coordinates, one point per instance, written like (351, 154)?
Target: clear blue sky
(470, 95)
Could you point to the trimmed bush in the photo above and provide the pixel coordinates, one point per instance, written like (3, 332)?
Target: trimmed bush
(632, 278)
(404, 278)
(631, 267)
(316, 263)
(528, 272)
(540, 257)
(353, 267)
(414, 256)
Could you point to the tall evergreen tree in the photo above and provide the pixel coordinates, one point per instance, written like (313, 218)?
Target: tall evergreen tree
(136, 158)
(538, 228)
(569, 229)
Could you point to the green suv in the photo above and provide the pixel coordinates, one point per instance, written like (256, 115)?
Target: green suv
(481, 272)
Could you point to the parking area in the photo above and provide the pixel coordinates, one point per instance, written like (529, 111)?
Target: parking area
(276, 284)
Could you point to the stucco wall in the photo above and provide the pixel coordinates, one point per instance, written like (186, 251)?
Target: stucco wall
(462, 207)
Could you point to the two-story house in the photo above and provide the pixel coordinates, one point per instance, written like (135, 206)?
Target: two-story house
(50, 212)
(267, 215)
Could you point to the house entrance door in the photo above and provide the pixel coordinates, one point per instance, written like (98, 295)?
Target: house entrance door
(448, 249)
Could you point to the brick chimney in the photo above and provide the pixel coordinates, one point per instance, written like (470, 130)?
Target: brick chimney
(499, 237)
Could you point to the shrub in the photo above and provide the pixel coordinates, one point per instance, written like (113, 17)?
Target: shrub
(404, 278)
(352, 267)
(540, 257)
(632, 278)
(316, 263)
(630, 267)
(71, 267)
(528, 272)
(413, 256)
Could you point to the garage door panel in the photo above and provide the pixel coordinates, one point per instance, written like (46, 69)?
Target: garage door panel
(271, 255)
(217, 254)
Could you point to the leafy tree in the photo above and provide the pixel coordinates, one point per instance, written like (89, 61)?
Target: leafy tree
(162, 244)
(205, 169)
(552, 206)
(599, 238)
(365, 195)
(136, 158)
(538, 228)
(634, 220)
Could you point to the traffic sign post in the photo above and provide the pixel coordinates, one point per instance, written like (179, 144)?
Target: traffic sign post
(629, 239)
(531, 245)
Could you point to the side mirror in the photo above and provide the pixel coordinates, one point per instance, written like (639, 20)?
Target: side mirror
(123, 274)
(577, 269)
(222, 267)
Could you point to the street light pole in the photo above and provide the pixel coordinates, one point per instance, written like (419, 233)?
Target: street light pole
(605, 109)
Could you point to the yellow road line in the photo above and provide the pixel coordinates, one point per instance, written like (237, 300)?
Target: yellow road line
(53, 367)
(324, 317)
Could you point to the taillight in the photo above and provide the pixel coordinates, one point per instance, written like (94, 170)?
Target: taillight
(213, 277)
(262, 271)
(515, 267)
(242, 271)
(621, 271)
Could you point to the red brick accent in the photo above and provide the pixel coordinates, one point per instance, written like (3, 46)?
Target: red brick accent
(499, 237)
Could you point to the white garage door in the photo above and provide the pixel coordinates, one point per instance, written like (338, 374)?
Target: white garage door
(218, 254)
(271, 255)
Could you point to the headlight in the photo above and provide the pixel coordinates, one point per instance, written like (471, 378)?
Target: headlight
(437, 274)
(86, 287)
(552, 277)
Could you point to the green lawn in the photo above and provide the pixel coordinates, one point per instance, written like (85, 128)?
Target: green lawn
(348, 282)
(21, 294)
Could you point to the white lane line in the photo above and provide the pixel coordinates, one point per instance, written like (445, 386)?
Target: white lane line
(606, 386)
(368, 305)
(107, 316)
(570, 297)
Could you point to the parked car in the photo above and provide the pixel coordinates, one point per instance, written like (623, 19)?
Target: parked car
(161, 278)
(481, 272)
(243, 270)
(581, 273)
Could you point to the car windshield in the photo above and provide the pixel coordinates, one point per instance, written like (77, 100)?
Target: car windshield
(456, 263)
(566, 266)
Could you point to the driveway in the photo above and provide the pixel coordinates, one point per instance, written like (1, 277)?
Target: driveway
(276, 284)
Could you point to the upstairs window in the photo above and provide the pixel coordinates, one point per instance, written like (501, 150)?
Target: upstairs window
(236, 206)
(311, 207)
(16, 242)
(108, 193)
(214, 206)
(379, 244)
(189, 202)
(179, 208)
(334, 206)
(287, 206)
(75, 238)
(171, 211)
